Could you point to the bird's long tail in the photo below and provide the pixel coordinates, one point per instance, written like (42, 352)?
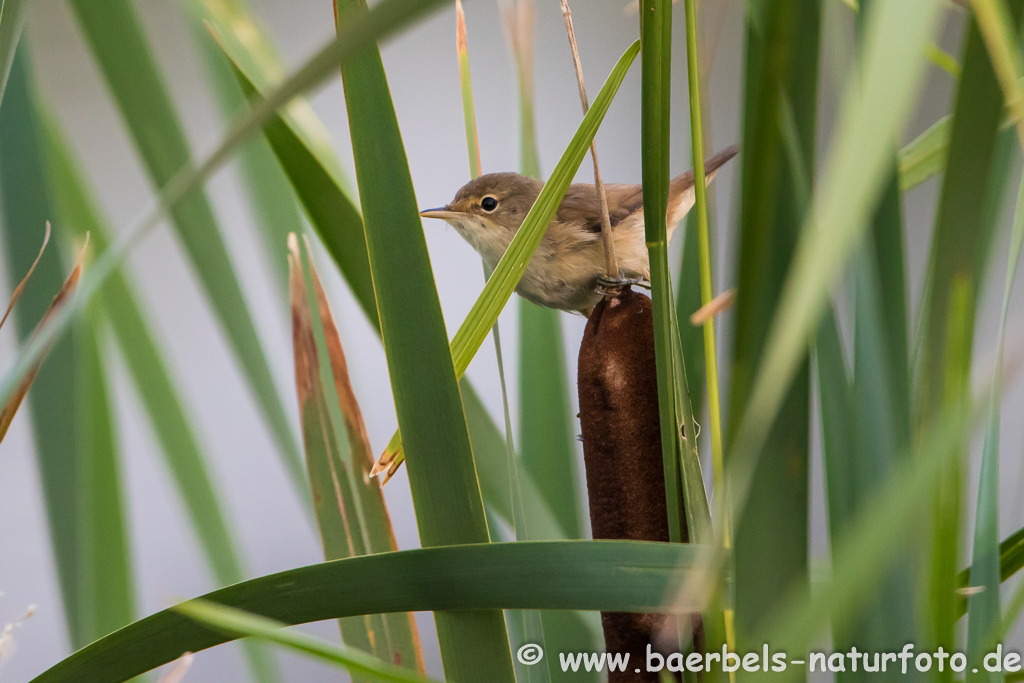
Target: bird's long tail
(684, 181)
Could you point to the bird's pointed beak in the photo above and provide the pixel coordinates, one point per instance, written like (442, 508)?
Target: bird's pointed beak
(442, 212)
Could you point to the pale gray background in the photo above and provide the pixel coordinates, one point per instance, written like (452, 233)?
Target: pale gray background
(423, 76)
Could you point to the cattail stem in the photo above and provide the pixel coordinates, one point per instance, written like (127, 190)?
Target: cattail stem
(611, 261)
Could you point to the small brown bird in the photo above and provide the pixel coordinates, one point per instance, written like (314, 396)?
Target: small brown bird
(565, 270)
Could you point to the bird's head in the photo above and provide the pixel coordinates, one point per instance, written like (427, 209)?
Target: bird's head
(490, 207)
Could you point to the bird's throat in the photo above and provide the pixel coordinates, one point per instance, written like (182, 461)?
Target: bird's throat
(488, 238)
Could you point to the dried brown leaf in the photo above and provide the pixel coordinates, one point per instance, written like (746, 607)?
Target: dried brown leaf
(461, 44)
(66, 290)
(388, 463)
(21, 285)
(375, 530)
(303, 342)
(358, 437)
(719, 304)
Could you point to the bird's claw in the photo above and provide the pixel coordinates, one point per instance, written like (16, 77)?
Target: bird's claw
(611, 285)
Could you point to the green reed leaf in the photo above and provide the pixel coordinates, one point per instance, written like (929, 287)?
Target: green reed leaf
(623, 576)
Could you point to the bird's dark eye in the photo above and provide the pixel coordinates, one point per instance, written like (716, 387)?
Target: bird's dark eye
(488, 203)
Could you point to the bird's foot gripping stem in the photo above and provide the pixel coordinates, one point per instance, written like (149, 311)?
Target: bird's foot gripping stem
(610, 285)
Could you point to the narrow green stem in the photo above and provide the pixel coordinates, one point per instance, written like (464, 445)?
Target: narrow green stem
(706, 292)
(656, 37)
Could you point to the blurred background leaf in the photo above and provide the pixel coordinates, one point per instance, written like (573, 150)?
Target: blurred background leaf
(27, 206)
(167, 412)
(272, 198)
(12, 14)
(115, 37)
(780, 82)
(963, 233)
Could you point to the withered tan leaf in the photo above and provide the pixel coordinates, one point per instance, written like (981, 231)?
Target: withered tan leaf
(719, 304)
(358, 437)
(350, 506)
(66, 290)
(302, 330)
(21, 285)
(388, 463)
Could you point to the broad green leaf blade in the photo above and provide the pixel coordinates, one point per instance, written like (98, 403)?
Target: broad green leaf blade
(781, 80)
(962, 234)
(546, 433)
(984, 619)
(104, 565)
(1011, 556)
(502, 282)
(116, 40)
(239, 623)
(362, 30)
(250, 49)
(12, 16)
(272, 197)
(167, 414)
(442, 475)
(625, 576)
(310, 165)
(27, 205)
